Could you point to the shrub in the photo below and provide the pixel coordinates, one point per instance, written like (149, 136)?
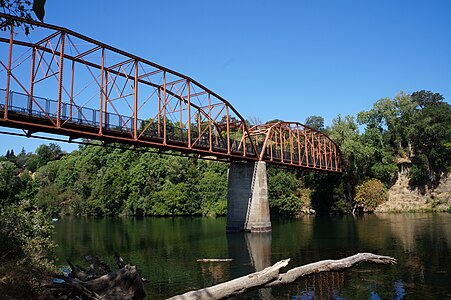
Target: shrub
(370, 194)
(26, 234)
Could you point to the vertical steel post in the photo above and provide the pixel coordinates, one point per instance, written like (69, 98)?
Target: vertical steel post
(271, 151)
(8, 72)
(102, 95)
(60, 81)
(180, 118)
(105, 101)
(135, 103)
(71, 97)
(30, 96)
(228, 129)
(209, 123)
(244, 140)
(299, 145)
(320, 151)
(159, 113)
(314, 153)
(189, 114)
(291, 146)
(281, 143)
(306, 147)
(199, 127)
(336, 157)
(164, 109)
(329, 153)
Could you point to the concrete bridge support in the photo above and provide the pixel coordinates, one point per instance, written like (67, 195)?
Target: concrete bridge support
(247, 198)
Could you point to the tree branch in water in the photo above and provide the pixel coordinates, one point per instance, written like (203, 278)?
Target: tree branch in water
(270, 277)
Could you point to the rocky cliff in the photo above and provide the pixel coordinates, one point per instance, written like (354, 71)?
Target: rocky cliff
(402, 198)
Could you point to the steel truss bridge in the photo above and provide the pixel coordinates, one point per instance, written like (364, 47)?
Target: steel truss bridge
(58, 81)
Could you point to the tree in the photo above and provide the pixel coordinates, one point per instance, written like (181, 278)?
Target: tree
(424, 98)
(393, 119)
(287, 194)
(47, 153)
(433, 133)
(315, 122)
(370, 194)
(9, 183)
(22, 9)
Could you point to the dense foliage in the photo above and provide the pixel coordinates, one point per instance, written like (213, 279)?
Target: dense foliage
(369, 194)
(411, 130)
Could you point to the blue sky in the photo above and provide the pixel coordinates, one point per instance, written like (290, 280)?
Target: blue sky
(277, 59)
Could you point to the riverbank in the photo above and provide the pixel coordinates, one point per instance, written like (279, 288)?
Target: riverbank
(402, 198)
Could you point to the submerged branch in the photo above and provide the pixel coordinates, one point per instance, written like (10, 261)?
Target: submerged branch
(271, 277)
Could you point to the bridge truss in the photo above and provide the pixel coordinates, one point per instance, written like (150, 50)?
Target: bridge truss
(57, 81)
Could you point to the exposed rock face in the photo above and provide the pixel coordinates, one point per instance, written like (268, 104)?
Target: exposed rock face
(402, 198)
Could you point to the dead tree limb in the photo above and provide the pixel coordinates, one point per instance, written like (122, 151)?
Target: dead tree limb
(237, 286)
(125, 284)
(270, 277)
(329, 265)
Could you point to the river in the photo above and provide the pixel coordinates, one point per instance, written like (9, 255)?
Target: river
(166, 250)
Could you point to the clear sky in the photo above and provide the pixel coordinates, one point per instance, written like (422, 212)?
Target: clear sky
(277, 59)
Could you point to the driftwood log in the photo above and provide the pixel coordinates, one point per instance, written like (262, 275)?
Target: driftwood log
(271, 276)
(98, 282)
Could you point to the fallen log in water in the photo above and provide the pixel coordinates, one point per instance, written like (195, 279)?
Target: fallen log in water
(271, 277)
(214, 259)
(95, 284)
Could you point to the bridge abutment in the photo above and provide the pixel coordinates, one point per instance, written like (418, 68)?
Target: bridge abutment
(247, 198)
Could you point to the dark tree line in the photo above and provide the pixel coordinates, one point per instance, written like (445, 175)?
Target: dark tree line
(94, 180)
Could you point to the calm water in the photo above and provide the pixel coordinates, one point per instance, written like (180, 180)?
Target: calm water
(166, 250)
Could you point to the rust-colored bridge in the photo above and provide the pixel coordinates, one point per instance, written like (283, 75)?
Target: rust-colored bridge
(57, 81)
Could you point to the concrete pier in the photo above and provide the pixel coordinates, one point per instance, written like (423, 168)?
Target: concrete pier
(247, 198)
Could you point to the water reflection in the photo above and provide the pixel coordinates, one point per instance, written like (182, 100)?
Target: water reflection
(320, 286)
(259, 249)
(167, 249)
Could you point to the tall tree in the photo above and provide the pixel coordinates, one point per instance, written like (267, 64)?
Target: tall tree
(315, 122)
(432, 129)
(424, 98)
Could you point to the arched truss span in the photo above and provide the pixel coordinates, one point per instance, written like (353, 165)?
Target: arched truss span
(119, 95)
(58, 81)
(295, 144)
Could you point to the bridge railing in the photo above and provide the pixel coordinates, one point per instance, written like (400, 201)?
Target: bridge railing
(72, 114)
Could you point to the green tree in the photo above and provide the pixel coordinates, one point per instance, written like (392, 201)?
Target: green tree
(433, 133)
(287, 193)
(315, 122)
(212, 191)
(394, 119)
(9, 183)
(357, 155)
(44, 154)
(370, 194)
(425, 98)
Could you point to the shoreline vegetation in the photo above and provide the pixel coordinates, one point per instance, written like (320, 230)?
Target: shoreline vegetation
(396, 157)
(399, 149)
